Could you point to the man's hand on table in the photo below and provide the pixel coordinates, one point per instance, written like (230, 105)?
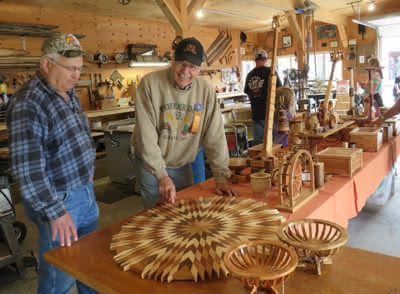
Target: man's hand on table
(167, 190)
(226, 189)
(63, 227)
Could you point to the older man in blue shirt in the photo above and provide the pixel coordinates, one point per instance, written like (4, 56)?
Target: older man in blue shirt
(53, 156)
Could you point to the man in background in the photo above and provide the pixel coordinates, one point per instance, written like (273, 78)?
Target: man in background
(52, 156)
(256, 87)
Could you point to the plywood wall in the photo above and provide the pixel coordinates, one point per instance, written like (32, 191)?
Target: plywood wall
(110, 35)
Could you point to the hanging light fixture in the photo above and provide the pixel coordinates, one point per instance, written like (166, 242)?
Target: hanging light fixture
(142, 64)
(371, 5)
(200, 13)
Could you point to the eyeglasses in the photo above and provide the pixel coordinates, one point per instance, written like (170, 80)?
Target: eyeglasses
(70, 68)
(191, 67)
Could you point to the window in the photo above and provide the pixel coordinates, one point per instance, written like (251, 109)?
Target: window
(324, 67)
(285, 63)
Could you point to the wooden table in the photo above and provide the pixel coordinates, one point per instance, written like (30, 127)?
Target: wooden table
(354, 271)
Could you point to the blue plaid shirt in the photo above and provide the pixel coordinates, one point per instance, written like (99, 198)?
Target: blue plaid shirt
(51, 149)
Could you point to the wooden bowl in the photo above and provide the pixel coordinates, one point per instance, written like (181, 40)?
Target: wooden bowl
(261, 264)
(314, 239)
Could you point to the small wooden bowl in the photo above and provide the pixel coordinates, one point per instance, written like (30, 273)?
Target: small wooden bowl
(314, 239)
(261, 264)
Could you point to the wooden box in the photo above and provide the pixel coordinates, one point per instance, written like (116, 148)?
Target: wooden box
(387, 132)
(368, 138)
(341, 161)
(395, 124)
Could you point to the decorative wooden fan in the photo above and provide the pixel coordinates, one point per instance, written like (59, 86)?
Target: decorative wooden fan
(313, 239)
(188, 240)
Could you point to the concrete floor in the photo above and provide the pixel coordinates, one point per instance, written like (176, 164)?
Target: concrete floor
(375, 228)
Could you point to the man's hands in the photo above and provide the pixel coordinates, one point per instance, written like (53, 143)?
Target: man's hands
(64, 227)
(167, 190)
(225, 189)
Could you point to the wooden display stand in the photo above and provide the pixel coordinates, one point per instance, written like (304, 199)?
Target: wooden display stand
(341, 161)
(368, 138)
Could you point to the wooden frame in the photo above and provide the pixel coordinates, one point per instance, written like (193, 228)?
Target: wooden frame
(287, 41)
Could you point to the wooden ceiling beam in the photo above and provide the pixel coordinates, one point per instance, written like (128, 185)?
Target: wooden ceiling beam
(343, 36)
(297, 30)
(324, 15)
(173, 15)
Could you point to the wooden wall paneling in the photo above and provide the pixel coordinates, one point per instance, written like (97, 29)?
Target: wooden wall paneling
(110, 35)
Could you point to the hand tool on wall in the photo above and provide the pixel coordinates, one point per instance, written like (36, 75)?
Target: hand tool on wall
(214, 44)
(220, 49)
(224, 56)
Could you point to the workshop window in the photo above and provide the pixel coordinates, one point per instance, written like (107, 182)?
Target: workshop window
(286, 63)
(324, 66)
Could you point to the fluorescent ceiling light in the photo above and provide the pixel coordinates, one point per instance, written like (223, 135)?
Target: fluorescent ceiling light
(148, 63)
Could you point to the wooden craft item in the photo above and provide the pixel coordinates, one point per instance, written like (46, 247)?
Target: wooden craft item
(340, 160)
(262, 265)
(187, 240)
(395, 125)
(333, 119)
(256, 150)
(335, 57)
(315, 240)
(283, 122)
(294, 190)
(260, 183)
(370, 139)
(319, 174)
(387, 132)
(270, 105)
(237, 165)
(312, 123)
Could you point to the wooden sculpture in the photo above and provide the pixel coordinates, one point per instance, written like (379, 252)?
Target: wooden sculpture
(294, 189)
(314, 240)
(188, 240)
(261, 264)
(325, 113)
(270, 105)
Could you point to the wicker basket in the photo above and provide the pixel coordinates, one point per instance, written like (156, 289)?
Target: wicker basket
(261, 264)
(313, 239)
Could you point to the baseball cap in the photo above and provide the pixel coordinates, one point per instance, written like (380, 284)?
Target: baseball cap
(66, 45)
(190, 49)
(260, 54)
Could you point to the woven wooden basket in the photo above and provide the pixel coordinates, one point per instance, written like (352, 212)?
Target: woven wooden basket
(314, 239)
(261, 264)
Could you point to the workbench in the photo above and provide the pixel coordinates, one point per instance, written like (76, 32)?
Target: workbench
(353, 271)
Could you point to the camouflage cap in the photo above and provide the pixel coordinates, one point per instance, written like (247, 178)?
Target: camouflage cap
(66, 45)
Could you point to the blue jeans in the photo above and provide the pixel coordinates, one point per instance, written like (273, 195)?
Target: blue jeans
(258, 132)
(81, 204)
(198, 167)
(182, 178)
